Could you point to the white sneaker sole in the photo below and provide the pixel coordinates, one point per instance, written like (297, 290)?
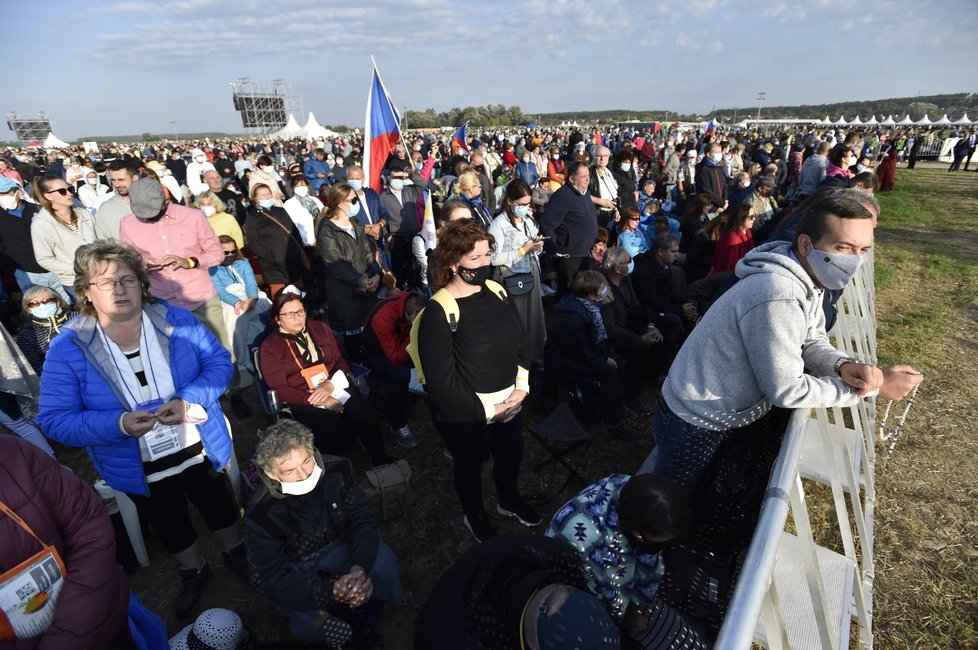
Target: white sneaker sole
(506, 513)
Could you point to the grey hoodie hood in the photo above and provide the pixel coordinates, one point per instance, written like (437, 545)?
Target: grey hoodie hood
(773, 257)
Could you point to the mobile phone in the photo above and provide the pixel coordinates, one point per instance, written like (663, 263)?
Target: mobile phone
(542, 238)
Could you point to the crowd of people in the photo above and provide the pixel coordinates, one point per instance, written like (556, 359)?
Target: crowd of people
(702, 267)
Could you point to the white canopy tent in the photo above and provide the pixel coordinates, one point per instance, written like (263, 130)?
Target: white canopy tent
(856, 121)
(290, 130)
(906, 121)
(924, 121)
(312, 129)
(888, 121)
(964, 119)
(943, 121)
(872, 120)
(54, 142)
(827, 120)
(841, 121)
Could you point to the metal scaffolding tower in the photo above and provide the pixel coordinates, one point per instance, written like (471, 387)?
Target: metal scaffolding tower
(29, 128)
(264, 112)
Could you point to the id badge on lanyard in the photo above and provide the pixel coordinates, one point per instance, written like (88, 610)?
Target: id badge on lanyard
(164, 439)
(29, 591)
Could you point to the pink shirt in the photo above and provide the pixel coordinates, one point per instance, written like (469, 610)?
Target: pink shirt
(183, 232)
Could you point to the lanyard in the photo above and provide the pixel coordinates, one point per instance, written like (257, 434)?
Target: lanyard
(319, 352)
(23, 524)
(148, 367)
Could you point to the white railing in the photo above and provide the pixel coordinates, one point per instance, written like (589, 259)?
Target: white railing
(793, 593)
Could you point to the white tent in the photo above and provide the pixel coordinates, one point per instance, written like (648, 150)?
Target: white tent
(888, 121)
(856, 120)
(827, 120)
(313, 129)
(54, 142)
(964, 119)
(290, 130)
(841, 121)
(943, 121)
(924, 120)
(906, 121)
(872, 119)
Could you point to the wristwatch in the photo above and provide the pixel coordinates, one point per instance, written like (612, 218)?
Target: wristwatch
(841, 362)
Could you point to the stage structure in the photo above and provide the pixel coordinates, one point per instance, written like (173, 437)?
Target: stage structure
(263, 112)
(29, 128)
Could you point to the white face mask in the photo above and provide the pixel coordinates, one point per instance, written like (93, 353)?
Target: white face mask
(9, 201)
(301, 190)
(833, 270)
(208, 210)
(305, 486)
(626, 167)
(92, 181)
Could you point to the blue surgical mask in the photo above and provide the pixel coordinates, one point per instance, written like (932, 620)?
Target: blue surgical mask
(267, 203)
(45, 311)
(356, 184)
(355, 210)
(418, 166)
(833, 270)
(521, 211)
(397, 184)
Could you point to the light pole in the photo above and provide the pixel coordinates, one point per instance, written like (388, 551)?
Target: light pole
(173, 125)
(760, 101)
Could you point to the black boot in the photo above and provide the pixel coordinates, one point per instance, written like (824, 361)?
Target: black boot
(192, 583)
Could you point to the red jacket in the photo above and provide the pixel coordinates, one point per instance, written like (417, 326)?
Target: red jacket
(65, 512)
(280, 371)
(388, 329)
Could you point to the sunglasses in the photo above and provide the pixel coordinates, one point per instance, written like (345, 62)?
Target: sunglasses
(230, 253)
(63, 191)
(37, 303)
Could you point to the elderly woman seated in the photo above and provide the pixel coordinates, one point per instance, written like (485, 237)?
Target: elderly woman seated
(578, 347)
(313, 542)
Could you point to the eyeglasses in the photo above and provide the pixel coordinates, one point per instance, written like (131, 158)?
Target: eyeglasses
(291, 315)
(37, 303)
(108, 284)
(63, 191)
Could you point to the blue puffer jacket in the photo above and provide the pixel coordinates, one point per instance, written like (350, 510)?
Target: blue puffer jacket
(82, 399)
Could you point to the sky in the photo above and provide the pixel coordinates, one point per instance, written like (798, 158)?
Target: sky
(102, 68)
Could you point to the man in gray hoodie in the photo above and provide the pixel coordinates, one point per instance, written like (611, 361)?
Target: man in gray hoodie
(763, 344)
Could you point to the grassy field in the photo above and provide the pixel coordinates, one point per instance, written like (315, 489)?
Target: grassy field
(926, 586)
(926, 589)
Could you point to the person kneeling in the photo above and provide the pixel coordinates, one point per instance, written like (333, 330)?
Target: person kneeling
(312, 540)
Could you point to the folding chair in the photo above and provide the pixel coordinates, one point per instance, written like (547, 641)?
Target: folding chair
(560, 434)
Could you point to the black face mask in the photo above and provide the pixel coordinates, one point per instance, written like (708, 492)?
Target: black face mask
(476, 277)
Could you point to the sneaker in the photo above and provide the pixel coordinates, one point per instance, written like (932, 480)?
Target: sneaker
(480, 526)
(404, 436)
(240, 407)
(237, 561)
(192, 582)
(638, 407)
(522, 510)
(622, 431)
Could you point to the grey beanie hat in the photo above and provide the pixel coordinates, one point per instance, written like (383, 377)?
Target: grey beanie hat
(146, 198)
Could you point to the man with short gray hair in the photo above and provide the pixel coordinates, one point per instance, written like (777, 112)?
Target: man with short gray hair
(313, 542)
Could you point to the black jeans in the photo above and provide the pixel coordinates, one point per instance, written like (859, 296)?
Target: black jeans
(402, 260)
(470, 444)
(567, 268)
(332, 432)
(396, 379)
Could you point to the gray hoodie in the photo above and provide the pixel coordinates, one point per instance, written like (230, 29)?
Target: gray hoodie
(762, 343)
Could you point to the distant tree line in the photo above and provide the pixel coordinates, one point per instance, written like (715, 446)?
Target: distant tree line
(491, 115)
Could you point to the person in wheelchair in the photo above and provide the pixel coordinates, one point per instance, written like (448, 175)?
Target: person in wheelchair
(301, 360)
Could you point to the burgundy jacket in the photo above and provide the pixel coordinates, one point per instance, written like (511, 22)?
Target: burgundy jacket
(280, 371)
(65, 512)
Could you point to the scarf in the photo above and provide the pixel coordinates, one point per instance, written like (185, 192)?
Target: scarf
(309, 203)
(309, 352)
(45, 329)
(594, 311)
(156, 366)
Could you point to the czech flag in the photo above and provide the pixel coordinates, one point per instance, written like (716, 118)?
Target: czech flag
(382, 132)
(459, 138)
(709, 127)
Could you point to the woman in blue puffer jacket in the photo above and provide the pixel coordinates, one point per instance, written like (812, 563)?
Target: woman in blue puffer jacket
(136, 381)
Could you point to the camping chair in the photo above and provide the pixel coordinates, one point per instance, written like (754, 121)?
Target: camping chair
(561, 435)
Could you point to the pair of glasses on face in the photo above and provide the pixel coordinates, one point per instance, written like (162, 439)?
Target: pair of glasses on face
(41, 301)
(231, 253)
(292, 315)
(354, 200)
(63, 191)
(108, 284)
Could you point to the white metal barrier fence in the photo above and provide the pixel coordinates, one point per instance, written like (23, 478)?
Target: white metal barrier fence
(793, 593)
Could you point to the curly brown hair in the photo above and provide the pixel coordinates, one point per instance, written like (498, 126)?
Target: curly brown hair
(456, 240)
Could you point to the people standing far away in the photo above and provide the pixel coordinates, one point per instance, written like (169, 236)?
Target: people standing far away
(569, 224)
(792, 366)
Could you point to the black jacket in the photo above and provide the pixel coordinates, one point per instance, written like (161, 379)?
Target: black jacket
(653, 285)
(571, 342)
(710, 181)
(16, 249)
(349, 264)
(571, 222)
(280, 529)
(274, 238)
(629, 317)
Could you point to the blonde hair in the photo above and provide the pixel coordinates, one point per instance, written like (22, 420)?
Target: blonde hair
(214, 199)
(467, 181)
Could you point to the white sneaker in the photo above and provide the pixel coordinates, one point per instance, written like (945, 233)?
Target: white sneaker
(404, 436)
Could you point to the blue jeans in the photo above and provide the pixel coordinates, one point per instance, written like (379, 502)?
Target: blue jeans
(26, 279)
(683, 451)
(335, 559)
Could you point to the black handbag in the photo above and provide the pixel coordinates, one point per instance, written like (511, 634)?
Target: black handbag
(518, 284)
